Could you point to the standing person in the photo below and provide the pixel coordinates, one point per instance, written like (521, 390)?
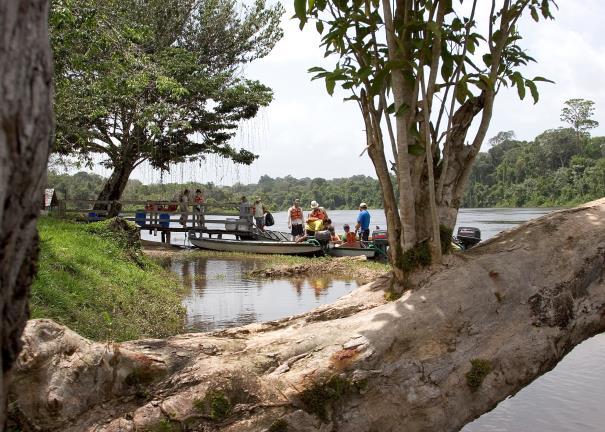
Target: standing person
(363, 222)
(198, 208)
(184, 207)
(259, 214)
(295, 219)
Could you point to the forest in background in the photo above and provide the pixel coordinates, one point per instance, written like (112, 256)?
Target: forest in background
(560, 167)
(277, 193)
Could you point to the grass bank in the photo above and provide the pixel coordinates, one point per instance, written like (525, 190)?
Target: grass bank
(94, 279)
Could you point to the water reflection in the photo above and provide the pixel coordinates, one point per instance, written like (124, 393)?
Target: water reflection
(219, 295)
(567, 399)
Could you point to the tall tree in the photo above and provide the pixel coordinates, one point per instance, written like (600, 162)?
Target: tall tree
(425, 67)
(157, 81)
(578, 113)
(25, 138)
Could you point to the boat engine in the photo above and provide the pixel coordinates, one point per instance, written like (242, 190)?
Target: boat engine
(381, 241)
(467, 237)
(323, 237)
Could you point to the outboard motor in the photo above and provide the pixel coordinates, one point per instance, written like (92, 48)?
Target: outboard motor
(381, 241)
(323, 237)
(468, 237)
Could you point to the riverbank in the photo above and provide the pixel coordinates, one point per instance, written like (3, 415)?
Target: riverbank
(95, 279)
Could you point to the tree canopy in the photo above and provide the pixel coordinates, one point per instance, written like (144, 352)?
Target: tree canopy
(157, 81)
(578, 113)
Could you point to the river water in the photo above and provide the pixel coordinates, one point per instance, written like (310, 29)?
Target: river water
(570, 398)
(219, 295)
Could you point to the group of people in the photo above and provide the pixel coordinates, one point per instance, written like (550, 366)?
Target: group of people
(301, 228)
(318, 220)
(183, 200)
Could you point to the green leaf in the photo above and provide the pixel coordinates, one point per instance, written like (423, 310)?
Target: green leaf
(461, 91)
(330, 83)
(321, 75)
(483, 82)
(401, 110)
(300, 9)
(534, 14)
(470, 46)
(364, 72)
(539, 78)
(534, 90)
(521, 89)
(447, 67)
(316, 69)
(416, 150)
(545, 8)
(319, 26)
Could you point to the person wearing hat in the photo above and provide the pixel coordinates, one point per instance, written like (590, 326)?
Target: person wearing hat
(295, 219)
(315, 220)
(363, 222)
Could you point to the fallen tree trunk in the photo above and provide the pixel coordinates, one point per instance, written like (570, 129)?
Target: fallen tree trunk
(466, 336)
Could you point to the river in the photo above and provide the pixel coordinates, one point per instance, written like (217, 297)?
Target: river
(567, 399)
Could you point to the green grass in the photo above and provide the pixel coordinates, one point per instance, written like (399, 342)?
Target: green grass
(99, 284)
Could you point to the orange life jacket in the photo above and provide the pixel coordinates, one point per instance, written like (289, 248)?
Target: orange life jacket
(317, 213)
(350, 237)
(296, 213)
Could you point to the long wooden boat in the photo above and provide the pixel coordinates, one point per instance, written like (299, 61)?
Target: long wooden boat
(255, 246)
(342, 251)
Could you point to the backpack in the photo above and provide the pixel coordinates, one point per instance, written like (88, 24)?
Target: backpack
(269, 221)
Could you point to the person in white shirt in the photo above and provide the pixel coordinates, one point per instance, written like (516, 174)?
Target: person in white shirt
(259, 214)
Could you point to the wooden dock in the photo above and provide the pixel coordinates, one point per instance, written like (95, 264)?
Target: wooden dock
(159, 217)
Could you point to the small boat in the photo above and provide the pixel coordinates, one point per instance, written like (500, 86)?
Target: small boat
(256, 246)
(343, 251)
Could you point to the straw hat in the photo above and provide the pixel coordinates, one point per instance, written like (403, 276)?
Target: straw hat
(314, 204)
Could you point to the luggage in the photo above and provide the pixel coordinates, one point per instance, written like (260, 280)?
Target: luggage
(269, 221)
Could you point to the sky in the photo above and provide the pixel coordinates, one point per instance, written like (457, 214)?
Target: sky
(307, 133)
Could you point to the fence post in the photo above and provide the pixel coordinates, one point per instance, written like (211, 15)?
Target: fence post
(62, 208)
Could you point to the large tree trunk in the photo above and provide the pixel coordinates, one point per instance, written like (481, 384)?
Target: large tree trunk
(457, 163)
(114, 188)
(466, 336)
(25, 138)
